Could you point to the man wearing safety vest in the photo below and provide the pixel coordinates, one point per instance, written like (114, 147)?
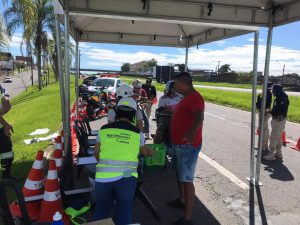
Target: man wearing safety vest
(6, 153)
(117, 149)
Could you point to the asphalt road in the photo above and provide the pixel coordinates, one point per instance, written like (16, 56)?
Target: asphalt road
(290, 93)
(20, 81)
(223, 167)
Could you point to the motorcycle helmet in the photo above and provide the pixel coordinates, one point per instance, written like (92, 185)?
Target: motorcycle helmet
(124, 90)
(127, 104)
(169, 87)
(137, 84)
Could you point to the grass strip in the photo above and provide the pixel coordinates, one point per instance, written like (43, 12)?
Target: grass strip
(31, 110)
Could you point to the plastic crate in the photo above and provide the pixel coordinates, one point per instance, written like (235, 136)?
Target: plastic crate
(159, 157)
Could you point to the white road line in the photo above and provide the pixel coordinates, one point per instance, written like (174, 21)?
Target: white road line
(224, 171)
(221, 118)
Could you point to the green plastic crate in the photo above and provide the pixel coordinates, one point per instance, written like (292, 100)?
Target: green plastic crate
(159, 157)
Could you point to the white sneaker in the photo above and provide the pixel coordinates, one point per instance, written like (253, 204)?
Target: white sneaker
(269, 157)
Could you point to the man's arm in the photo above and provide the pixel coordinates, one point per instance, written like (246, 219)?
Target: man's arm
(197, 124)
(5, 108)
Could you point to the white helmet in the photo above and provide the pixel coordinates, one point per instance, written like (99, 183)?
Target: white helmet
(124, 90)
(137, 84)
(126, 103)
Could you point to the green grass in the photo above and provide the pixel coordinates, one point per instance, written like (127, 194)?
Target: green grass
(231, 85)
(31, 110)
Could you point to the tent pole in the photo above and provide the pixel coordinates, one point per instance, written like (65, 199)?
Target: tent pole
(67, 83)
(264, 98)
(77, 76)
(186, 54)
(253, 112)
(60, 71)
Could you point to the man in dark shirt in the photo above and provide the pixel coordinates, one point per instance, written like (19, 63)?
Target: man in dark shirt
(267, 115)
(151, 94)
(279, 115)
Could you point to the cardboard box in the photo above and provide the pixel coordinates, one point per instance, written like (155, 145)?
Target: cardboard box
(102, 222)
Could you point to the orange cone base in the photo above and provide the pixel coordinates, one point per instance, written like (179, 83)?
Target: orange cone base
(33, 210)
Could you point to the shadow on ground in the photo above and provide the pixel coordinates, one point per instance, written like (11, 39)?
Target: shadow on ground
(277, 169)
(161, 190)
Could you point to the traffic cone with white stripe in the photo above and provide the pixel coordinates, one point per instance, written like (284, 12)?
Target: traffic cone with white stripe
(52, 201)
(32, 187)
(58, 158)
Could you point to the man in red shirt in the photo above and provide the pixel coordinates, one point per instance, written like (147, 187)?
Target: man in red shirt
(186, 135)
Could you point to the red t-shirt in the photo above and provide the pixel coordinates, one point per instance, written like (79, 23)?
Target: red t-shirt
(184, 117)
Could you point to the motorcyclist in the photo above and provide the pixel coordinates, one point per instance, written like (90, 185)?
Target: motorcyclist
(124, 90)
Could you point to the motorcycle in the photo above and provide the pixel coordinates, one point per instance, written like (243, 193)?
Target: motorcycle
(97, 104)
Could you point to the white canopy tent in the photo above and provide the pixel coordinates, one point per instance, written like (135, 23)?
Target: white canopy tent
(174, 23)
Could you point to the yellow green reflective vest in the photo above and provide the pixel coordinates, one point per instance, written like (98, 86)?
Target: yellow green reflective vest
(118, 157)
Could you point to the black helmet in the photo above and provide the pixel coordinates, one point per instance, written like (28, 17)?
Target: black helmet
(169, 86)
(277, 89)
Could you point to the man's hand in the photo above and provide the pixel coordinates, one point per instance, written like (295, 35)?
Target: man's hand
(190, 136)
(8, 130)
(146, 151)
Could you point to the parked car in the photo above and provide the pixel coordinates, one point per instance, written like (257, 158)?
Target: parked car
(108, 83)
(7, 80)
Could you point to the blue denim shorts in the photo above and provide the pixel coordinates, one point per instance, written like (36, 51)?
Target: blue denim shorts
(184, 159)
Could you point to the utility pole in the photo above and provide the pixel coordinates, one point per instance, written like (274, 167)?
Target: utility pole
(218, 66)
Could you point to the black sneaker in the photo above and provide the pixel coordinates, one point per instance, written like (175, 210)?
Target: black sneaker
(176, 204)
(183, 221)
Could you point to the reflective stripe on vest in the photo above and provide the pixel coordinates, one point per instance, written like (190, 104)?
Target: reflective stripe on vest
(116, 169)
(119, 153)
(7, 155)
(52, 196)
(117, 163)
(33, 185)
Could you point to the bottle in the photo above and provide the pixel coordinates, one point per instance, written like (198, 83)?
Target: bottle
(57, 219)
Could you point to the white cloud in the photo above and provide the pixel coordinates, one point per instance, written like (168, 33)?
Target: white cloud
(252, 40)
(239, 57)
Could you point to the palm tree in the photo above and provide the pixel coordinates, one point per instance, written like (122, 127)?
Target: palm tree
(3, 34)
(35, 17)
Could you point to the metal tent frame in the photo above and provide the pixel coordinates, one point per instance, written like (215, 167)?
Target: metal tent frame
(174, 23)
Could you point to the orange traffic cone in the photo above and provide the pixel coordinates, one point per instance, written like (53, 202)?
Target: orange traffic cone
(52, 197)
(32, 187)
(297, 146)
(58, 144)
(58, 157)
(283, 139)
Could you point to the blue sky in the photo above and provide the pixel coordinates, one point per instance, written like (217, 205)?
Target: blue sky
(237, 52)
